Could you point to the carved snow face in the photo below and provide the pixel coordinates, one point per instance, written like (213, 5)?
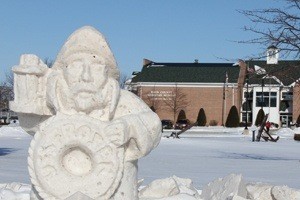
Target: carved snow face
(85, 76)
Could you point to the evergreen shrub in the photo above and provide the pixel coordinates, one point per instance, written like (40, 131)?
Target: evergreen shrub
(259, 117)
(298, 121)
(201, 119)
(181, 115)
(213, 122)
(233, 118)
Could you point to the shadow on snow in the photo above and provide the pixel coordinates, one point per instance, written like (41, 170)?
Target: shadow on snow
(254, 157)
(6, 151)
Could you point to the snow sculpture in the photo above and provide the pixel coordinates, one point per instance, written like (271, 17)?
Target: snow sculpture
(88, 133)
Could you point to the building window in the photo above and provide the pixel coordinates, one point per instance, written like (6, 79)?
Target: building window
(247, 106)
(272, 54)
(249, 119)
(266, 99)
(250, 95)
(287, 95)
(284, 105)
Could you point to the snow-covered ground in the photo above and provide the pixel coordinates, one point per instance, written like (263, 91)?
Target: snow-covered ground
(201, 154)
(204, 155)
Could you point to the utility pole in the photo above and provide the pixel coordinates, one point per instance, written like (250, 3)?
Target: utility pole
(246, 131)
(223, 103)
(247, 96)
(262, 93)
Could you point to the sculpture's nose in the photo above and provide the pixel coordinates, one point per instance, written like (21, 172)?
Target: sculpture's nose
(86, 75)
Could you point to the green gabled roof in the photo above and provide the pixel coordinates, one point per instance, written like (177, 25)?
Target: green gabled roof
(188, 73)
(287, 71)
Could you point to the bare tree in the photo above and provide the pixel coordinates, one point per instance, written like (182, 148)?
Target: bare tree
(279, 27)
(152, 100)
(122, 80)
(276, 26)
(6, 90)
(176, 102)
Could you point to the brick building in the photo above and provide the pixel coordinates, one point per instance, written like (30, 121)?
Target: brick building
(171, 87)
(272, 86)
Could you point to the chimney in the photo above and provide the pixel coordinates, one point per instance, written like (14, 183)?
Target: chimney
(272, 55)
(146, 62)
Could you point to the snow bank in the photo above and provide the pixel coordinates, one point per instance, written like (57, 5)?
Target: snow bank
(12, 131)
(231, 187)
(210, 131)
(285, 133)
(220, 131)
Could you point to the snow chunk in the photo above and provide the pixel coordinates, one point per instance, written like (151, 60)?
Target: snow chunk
(186, 186)
(160, 188)
(224, 188)
(284, 193)
(235, 197)
(173, 188)
(15, 191)
(259, 191)
(178, 197)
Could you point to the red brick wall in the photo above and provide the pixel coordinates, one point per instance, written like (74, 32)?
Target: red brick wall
(296, 102)
(208, 98)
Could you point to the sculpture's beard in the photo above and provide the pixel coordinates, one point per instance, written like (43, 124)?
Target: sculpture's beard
(86, 98)
(88, 102)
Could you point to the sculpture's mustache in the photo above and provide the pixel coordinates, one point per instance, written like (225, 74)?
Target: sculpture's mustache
(84, 87)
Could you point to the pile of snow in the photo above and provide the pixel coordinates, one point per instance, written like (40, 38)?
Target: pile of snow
(286, 133)
(297, 130)
(231, 187)
(264, 191)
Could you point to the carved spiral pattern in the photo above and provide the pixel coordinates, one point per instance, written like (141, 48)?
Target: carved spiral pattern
(77, 154)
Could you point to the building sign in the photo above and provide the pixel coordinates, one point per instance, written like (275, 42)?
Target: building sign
(160, 95)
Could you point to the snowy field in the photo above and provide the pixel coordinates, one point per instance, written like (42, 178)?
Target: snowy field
(201, 155)
(205, 155)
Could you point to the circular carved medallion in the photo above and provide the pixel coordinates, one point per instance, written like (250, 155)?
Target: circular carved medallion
(77, 154)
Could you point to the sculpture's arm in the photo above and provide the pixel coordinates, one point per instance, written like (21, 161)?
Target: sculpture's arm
(30, 78)
(144, 126)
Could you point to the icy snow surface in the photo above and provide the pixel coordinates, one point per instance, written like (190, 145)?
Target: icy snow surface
(201, 154)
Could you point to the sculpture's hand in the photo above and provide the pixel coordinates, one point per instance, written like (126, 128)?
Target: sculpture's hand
(29, 86)
(143, 135)
(116, 132)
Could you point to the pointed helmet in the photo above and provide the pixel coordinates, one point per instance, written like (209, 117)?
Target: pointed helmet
(88, 40)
